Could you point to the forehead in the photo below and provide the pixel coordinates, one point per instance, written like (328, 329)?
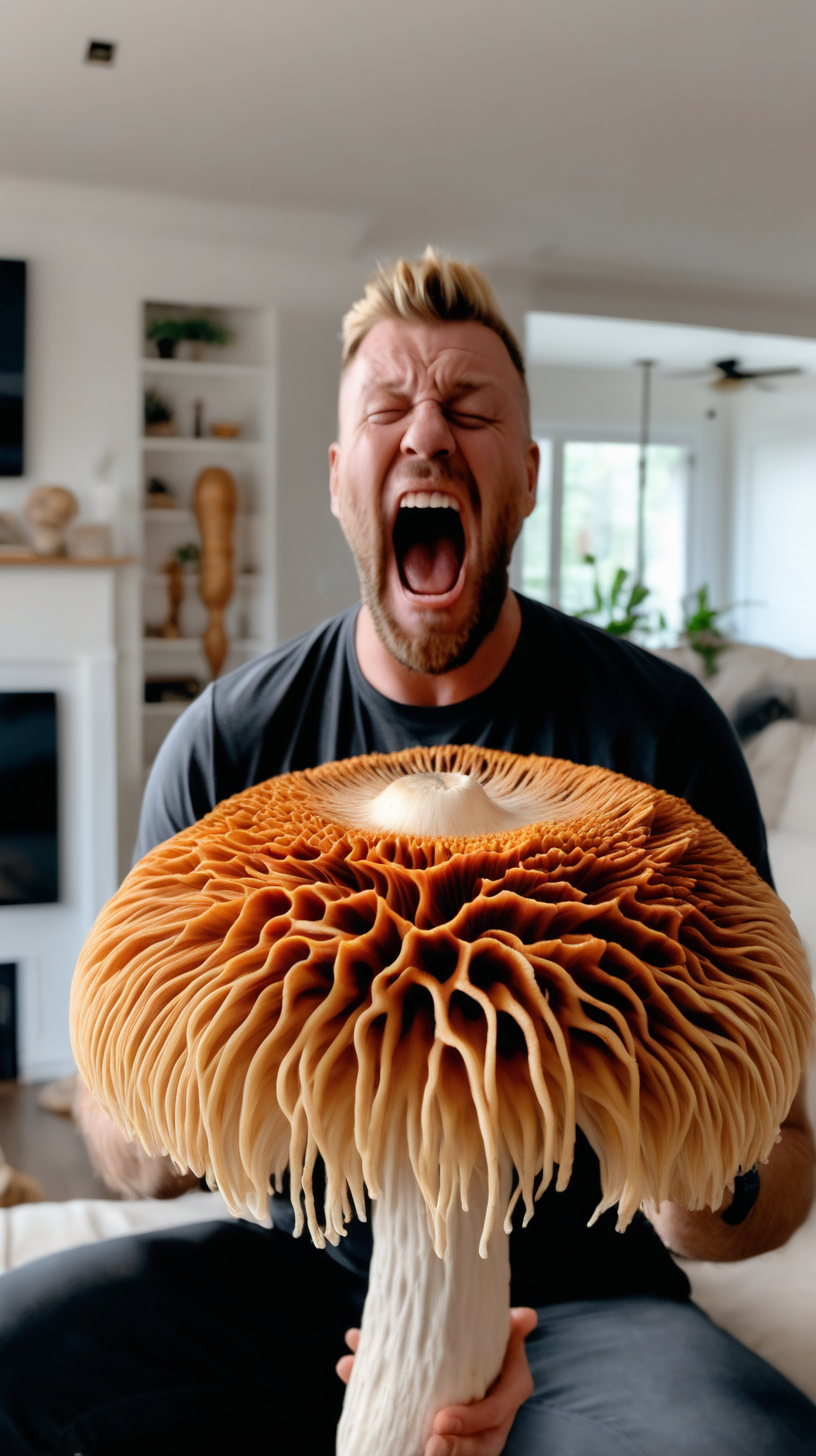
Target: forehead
(413, 357)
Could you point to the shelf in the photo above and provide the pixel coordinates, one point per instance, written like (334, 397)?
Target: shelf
(178, 513)
(206, 368)
(209, 445)
(159, 578)
(165, 710)
(235, 385)
(182, 513)
(171, 645)
(30, 558)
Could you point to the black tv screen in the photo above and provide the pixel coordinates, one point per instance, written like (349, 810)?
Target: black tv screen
(29, 856)
(12, 365)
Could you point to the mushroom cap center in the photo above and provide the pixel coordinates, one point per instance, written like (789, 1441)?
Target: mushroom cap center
(432, 804)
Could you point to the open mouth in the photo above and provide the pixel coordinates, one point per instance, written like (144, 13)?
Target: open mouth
(429, 542)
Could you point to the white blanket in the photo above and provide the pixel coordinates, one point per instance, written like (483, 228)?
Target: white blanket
(32, 1230)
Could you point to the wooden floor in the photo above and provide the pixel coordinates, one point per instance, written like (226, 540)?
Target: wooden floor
(45, 1145)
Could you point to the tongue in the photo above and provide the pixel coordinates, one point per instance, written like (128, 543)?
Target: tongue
(431, 567)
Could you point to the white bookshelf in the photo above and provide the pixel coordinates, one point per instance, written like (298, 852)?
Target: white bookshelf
(234, 383)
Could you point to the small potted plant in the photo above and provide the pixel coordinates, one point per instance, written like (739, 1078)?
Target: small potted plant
(201, 331)
(165, 334)
(158, 414)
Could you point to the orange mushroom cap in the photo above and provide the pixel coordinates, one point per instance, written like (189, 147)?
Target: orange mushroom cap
(279, 982)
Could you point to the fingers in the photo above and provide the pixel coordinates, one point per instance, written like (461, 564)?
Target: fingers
(523, 1320)
(481, 1429)
(343, 1368)
(344, 1364)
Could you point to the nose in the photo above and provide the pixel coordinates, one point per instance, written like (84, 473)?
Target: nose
(428, 435)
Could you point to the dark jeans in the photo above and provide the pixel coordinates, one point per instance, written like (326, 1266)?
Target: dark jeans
(210, 1339)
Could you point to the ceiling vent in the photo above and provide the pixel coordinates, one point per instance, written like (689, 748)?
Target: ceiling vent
(101, 52)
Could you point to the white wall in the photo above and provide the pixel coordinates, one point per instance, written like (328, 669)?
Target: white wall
(316, 574)
(598, 403)
(775, 517)
(94, 257)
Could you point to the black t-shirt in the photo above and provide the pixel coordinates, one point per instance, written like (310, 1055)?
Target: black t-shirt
(568, 691)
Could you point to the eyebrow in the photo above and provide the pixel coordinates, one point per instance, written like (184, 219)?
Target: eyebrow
(397, 387)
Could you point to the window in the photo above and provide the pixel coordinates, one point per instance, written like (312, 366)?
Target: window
(588, 505)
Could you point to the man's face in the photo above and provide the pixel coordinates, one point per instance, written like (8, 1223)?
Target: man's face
(431, 479)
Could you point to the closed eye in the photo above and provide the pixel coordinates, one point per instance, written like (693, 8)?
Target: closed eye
(386, 416)
(468, 419)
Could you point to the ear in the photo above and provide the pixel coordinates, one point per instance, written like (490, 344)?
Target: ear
(334, 481)
(532, 461)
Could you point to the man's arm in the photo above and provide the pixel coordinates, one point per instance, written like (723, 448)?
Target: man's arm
(785, 1197)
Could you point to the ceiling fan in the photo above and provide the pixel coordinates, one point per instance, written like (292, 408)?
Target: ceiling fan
(729, 374)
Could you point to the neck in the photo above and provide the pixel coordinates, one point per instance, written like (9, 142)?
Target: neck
(421, 690)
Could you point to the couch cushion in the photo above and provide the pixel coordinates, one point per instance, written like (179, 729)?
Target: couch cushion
(773, 757)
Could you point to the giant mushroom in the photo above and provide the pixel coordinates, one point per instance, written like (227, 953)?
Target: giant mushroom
(427, 969)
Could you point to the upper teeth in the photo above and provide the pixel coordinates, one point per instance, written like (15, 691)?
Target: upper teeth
(434, 500)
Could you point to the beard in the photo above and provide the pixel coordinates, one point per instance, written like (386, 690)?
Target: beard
(432, 650)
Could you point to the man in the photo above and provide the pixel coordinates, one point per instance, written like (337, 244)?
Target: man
(203, 1340)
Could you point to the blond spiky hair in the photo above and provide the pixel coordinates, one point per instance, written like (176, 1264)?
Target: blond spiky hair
(431, 289)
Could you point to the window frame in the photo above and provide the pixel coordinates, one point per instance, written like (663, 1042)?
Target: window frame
(560, 435)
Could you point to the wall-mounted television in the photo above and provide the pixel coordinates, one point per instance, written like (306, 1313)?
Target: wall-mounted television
(29, 850)
(12, 365)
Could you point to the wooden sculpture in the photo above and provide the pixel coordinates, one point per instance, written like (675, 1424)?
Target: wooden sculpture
(215, 499)
(428, 968)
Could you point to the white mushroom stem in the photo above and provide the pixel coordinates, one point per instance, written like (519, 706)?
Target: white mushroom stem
(434, 1330)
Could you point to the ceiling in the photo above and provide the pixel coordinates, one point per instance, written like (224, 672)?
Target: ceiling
(608, 343)
(639, 139)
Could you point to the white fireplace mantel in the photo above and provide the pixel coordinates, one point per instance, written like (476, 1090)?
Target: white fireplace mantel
(72, 628)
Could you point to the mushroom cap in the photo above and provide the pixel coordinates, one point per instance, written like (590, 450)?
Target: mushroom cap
(287, 979)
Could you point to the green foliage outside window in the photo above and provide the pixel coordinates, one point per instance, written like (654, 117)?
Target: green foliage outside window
(618, 610)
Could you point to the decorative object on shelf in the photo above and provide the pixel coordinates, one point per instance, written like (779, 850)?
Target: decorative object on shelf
(174, 567)
(158, 414)
(90, 541)
(171, 689)
(198, 419)
(160, 496)
(225, 429)
(12, 533)
(49, 509)
(165, 334)
(215, 500)
(200, 331)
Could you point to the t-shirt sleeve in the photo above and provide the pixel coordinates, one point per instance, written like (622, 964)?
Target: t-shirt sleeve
(181, 786)
(700, 760)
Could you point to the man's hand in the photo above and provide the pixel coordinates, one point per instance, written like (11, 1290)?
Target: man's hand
(785, 1197)
(480, 1429)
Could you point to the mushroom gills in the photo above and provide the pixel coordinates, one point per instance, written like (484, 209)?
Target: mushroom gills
(434, 1328)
